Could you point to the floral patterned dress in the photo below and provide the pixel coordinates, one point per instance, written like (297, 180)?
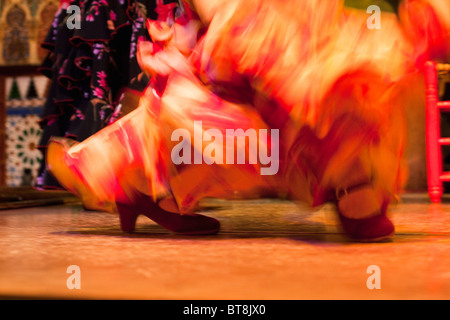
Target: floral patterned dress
(95, 75)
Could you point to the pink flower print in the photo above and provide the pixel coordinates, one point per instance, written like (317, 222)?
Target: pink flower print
(89, 17)
(101, 74)
(80, 115)
(103, 84)
(98, 92)
(98, 50)
(102, 79)
(112, 15)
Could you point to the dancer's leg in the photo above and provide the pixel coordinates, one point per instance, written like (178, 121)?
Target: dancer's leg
(111, 171)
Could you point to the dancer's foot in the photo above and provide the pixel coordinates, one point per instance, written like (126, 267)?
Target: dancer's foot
(191, 224)
(361, 215)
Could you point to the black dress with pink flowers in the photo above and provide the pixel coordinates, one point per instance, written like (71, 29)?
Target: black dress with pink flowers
(95, 74)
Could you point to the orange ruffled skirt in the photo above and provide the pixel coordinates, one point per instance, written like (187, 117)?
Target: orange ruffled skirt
(325, 93)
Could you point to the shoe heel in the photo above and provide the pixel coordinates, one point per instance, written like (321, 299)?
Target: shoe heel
(127, 217)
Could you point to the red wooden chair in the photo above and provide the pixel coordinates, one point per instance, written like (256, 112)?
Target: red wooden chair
(434, 141)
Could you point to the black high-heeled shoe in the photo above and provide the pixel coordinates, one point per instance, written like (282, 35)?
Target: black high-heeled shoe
(190, 224)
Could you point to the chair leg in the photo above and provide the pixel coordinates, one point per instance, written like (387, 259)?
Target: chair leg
(434, 160)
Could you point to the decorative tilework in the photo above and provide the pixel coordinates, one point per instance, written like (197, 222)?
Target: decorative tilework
(16, 48)
(23, 26)
(23, 134)
(25, 99)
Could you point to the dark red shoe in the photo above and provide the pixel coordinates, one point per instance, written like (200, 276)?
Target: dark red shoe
(190, 224)
(375, 228)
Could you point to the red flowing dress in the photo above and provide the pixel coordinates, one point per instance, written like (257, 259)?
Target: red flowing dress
(329, 92)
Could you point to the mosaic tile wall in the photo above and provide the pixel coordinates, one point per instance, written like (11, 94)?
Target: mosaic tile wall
(24, 101)
(23, 26)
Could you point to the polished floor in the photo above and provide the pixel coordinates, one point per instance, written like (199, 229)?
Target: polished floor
(267, 249)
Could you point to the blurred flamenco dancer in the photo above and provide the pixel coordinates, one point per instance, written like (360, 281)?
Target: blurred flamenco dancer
(313, 70)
